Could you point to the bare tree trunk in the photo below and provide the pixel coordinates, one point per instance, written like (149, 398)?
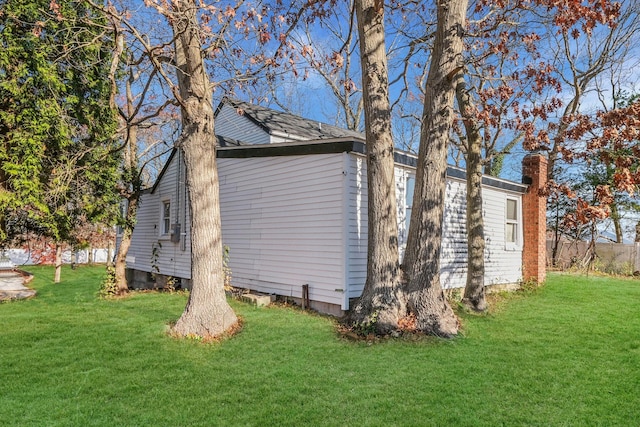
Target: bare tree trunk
(121, 264)
(58, 265)
(615, 217)
(207, 313)
(130, 160)
(380, 304)
(637, 239)
(474, 289)
(422, 257)
(555, 254)
(473, 297)
(125, 243)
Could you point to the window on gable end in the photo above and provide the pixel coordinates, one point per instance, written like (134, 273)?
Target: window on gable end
(166, 217)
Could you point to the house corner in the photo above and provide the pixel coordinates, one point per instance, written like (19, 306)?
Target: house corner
(534, 203)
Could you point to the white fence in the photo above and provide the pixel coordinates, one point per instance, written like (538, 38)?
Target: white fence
(24, 257)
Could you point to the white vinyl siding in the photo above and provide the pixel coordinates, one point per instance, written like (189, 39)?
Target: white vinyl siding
(301, 220)
(501, 266)
(453, 256)
(232, 124)
(173, 258)
(282, 220)
(296, 220)
(357, 224)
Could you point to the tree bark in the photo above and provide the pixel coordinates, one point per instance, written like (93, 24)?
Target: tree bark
(380, 306)
(58, 264)
(133, 191)
(474, 295)
(426, 300)
(125, 242)
(615, 218)
(207, 313)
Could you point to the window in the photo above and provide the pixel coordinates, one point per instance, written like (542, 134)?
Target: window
(166, 217)
(512, 223)
(411, 182)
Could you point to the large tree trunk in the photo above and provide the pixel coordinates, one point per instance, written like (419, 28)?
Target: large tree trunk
(121, 264)
(473, 297)
(426, 300)
(207, 313)
(380, 304)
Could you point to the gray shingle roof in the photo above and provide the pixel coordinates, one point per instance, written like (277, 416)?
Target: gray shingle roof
(296, 127)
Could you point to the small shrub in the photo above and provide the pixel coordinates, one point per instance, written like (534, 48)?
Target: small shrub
(170, 286)
(108, 287)
(529, 286)
(368, 326)
(613, 267)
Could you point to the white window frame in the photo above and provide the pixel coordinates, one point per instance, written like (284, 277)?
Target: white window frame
(517, 243)
(408, 201)
(165, 218)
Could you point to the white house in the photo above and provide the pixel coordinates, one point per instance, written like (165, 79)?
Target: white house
(293, 201)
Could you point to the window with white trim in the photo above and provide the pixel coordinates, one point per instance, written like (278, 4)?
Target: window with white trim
(166, 217)
(411, 183)
(512, 223)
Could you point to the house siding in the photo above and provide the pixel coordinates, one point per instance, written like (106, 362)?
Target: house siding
(296, 220)
(502, 264)
(357, 224)
(296, 214)
(230, 124)
(172, 258)
(282, 220)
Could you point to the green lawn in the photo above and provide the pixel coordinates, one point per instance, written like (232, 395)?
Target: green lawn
(567, 354)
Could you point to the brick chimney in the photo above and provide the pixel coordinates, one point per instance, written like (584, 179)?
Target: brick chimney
(534, 208)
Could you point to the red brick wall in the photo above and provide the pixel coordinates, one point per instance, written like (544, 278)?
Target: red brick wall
(534, 208)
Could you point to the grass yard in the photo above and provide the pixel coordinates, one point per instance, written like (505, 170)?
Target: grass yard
(567, 354)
